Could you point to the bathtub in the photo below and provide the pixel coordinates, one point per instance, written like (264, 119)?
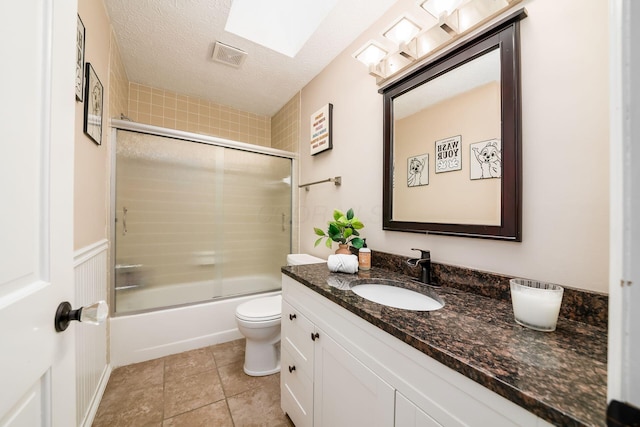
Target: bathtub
(145, 336)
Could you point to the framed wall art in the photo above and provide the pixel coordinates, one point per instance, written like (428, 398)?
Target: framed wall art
(80, 41)
(321, 131)
(486, 159)
(93, 105)
(449, 154)
(418, 170)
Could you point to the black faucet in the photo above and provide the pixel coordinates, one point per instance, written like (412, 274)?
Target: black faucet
(425, 262)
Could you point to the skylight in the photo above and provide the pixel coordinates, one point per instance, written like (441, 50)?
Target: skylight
(280, 25)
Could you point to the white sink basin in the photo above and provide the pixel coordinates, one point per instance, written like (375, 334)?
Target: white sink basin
(394, 296)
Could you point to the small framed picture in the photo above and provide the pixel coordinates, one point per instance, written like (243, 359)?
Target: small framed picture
(486, 159)
(418, 170)
(321, 130)
(449, 154)
(93, 105)
(80, 32)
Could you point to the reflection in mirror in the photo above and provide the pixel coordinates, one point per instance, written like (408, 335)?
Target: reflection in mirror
(436, 128)
(452, 141)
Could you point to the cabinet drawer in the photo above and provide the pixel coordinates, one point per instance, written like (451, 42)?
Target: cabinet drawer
(296, 335)
(303, 366)
(296, 391)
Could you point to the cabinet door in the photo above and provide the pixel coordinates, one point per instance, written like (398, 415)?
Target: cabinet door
(347, 393)
(409, 415)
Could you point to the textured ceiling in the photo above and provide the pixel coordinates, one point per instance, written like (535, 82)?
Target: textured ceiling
(168, 44)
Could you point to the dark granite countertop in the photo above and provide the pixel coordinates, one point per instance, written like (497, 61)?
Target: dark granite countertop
(560, 376)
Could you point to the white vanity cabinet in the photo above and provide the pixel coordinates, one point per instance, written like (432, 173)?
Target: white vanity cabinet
(322, 384)
(350, 373)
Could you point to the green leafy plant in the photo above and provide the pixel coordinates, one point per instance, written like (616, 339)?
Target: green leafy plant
(343, 230)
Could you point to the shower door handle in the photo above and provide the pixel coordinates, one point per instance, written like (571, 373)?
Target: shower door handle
(124, 220)
(283, 229)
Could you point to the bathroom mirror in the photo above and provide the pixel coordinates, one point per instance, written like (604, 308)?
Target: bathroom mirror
(452, 156)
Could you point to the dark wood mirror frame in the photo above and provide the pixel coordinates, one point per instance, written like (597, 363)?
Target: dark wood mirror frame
(504, 35)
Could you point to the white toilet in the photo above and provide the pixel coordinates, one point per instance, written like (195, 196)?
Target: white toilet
(259, 321)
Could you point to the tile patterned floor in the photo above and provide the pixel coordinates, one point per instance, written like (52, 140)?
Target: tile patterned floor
(203, 387)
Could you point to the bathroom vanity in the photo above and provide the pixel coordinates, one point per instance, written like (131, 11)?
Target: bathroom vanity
(347, 361)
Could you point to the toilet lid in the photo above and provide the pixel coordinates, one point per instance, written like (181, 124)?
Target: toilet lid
(260, 309)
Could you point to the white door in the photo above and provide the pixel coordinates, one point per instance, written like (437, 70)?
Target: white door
(37, 108)
(624, 290)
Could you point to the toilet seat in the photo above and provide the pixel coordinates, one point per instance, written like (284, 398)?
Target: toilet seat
(260, 309)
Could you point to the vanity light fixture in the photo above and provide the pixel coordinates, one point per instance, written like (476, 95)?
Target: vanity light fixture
(446, 12)
(372, 55)
(453, 20)
(438, 8)
(403, 33)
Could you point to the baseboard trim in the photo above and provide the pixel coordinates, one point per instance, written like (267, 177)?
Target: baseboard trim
(97, 397)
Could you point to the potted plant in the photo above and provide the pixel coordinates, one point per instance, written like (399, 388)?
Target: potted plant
(342, 230)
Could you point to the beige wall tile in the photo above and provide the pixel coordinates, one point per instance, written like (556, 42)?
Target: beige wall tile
(157, 121)
(182, 115)
(157, 110)
(144, 96)
(285, 126)
(169, 113)
(144, 118)
(182, 103)
(169, 109)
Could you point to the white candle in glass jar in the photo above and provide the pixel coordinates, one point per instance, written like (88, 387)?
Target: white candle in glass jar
(536, 308)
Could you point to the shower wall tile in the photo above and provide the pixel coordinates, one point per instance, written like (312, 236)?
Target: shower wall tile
(169, 109)
(285, 126)
(118, 81)
(285, 135)
(149, 243)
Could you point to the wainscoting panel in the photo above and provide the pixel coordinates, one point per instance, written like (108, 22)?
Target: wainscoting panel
(92, 371)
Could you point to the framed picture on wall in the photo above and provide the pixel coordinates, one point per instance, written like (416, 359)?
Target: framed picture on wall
(80, 33)
(449, 154)
(321, 130)
(93, 106)
(486, 159)
(418, 170)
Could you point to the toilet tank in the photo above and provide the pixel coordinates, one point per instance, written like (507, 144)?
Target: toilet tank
(301, 259)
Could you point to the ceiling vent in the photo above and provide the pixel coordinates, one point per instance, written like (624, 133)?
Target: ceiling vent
(228, 55)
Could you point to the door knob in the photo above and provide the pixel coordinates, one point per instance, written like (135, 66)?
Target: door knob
(94, 314)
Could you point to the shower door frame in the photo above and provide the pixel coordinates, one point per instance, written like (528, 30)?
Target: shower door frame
(125, 125)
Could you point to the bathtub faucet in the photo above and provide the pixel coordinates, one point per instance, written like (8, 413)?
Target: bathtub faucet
(425, 262)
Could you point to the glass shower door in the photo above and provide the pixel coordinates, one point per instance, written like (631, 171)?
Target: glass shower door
(196, 221)
(257, 221)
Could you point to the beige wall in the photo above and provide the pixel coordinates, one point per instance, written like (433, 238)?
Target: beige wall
(565, 153)
(159, 107)
(91, 160)
(475, 116)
